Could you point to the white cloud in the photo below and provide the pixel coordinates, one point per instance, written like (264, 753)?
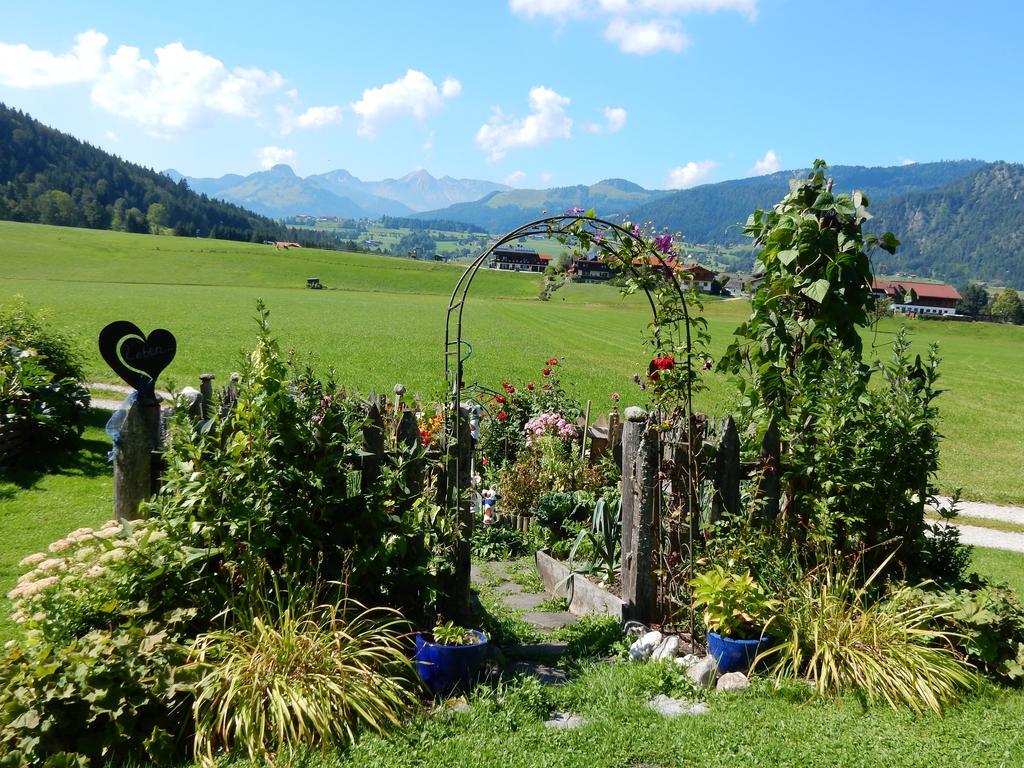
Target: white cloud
(112, 137)
(646, 37)
(908, 161)
(770, 163)
(546, 177)
(413, 94)
(515, 179)
(689, 175)
(180, 90)
(616, 117)
(271, 156)
(636, 26)
(547, 121)
(615, 120)
(746, 8)
(24, 67)
(555, 8)
(314, 117)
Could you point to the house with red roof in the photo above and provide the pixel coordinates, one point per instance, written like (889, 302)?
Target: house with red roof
(516, 258)
(913, 297)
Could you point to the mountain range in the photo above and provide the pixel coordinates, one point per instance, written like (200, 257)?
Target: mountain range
(279, 192)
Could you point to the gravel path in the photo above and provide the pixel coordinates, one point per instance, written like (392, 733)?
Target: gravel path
(988, 511)
(986, 537)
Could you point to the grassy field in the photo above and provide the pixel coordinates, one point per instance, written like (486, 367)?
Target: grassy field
(381, 321)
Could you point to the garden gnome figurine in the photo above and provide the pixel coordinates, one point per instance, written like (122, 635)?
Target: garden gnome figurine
(490, 498)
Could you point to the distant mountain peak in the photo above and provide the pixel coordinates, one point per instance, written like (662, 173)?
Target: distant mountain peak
(282, 169)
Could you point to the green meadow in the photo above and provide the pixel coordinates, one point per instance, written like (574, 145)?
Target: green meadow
(380, 321)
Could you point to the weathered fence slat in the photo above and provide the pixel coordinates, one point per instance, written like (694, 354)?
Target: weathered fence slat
(639, 487)
(726, 475)
(373, 445)
(769, 473)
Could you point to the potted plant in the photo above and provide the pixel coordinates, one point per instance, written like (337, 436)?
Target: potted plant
(736, 612)
(449, 656)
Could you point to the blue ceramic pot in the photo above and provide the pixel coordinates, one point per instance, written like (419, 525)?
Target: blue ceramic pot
(735, 655)
(445, 667)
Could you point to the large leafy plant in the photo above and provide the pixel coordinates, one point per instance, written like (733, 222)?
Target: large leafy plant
(734, 605)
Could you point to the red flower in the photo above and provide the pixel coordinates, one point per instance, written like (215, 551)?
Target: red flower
(484, 461)
(546, 371)
(553, 361)
(500, 399)
(547, 386)
(530, 386)
(502, 416)
(658, 364)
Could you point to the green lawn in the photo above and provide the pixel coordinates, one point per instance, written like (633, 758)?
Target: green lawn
(381, 321)
(41, 501)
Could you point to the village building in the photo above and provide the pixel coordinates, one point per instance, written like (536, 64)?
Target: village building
(516, 258)
(911, 297)
(590, 269)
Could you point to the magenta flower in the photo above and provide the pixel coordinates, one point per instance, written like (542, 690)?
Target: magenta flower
(574, 211)
(663, 243)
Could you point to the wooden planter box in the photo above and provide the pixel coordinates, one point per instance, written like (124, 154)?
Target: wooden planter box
(584, 595)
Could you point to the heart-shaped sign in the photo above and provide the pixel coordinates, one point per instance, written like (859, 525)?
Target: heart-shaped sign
(136, 357)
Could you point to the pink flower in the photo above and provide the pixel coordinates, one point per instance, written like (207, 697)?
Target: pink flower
(663, 243)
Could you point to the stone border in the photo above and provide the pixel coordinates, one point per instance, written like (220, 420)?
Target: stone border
(587, 597)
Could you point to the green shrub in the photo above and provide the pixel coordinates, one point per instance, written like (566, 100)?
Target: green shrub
(60, 354)
(986, 623)
(498, 542)
(888, 649)
(111, 696)
(282, 678)
(734, 604)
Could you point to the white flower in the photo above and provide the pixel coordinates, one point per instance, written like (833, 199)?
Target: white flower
(111, 524)
(96, 570)
(53, 564)
(32, 560)
(112, 555)
(59, 545)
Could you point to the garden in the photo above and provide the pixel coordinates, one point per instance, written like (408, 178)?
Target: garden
(299, 588)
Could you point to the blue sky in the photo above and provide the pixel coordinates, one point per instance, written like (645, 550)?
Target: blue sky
(532, 92)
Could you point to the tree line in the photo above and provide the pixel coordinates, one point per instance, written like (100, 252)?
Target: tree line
(49, 177)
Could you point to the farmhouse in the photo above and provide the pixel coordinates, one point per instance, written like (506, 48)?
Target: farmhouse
(590, 269)
(702, 276)
(517, 258)
(910, 297)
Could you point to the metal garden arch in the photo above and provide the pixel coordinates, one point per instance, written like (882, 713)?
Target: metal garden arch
(458, 350)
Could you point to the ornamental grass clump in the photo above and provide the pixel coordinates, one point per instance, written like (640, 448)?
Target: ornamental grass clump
(285, 679)
(886, 649)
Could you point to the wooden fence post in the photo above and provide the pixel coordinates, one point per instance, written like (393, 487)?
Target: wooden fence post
(639, 487)
(769, 472)
(726, 477)
(133, 458)
(206, 390)
(373, 444)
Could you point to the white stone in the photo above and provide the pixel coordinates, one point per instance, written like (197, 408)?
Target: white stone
(644, 647)
(733, 681)
(668, 649)
(688, 660)
(669, 707)
(564, 721)
(703, 672)
(634, 629)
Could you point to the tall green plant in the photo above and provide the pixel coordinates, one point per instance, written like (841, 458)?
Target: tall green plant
(815, 287)
(281, 678)
(883, 650)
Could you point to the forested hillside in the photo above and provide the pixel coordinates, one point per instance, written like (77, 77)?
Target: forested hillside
(971, 229)
(715, 213)
(49, 177)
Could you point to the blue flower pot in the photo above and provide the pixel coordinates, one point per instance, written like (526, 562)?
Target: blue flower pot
(446, 667)
(735, 655)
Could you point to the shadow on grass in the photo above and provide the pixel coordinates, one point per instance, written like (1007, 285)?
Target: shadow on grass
(86, 458)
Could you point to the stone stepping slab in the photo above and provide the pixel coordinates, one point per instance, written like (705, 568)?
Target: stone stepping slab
(549, 621)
